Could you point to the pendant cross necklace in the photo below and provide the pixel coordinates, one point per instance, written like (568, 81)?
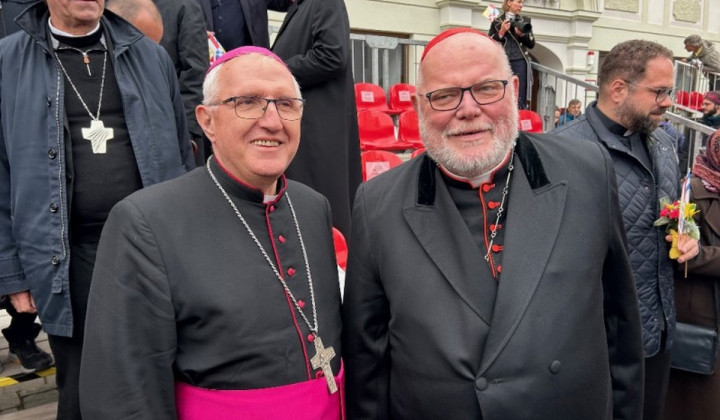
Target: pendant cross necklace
(323, 355)
(97, 133)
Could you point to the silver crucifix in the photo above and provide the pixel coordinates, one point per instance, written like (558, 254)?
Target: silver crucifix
(98, 136)
(321, 360)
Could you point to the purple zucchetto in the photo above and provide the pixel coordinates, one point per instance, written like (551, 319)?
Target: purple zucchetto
(248, 49)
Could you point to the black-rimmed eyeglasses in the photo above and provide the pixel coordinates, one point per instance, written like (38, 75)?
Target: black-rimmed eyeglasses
(254, 107)
(484, 93)
(660, 93)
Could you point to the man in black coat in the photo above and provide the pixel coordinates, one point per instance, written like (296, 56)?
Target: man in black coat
(488, 279)
(314, 41)
(185, 40)
(240, 22)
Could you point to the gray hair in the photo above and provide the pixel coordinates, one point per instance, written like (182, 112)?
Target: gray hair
(504, 63)
(693, 40)
(211, 84)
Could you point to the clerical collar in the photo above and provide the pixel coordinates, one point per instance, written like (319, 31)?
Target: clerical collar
(613, 126)
(88, 40)
(243, 190)
(56, 31)
(477, 181)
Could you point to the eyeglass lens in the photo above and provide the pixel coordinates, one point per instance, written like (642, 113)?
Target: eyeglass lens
(483, 93)
(253, 107)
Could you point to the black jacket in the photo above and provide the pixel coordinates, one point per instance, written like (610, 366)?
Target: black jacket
(255, 12)
(640, 189)
(185, 40)
(515, 47)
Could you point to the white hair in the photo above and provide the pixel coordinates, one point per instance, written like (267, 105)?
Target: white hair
(211, 84)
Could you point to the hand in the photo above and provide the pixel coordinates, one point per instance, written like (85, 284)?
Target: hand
(23, 302)
(687, 246)
(504, 27)
(519, 33)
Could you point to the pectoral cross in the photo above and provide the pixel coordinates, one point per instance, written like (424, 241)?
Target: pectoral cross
(98, 136)
(321, 360)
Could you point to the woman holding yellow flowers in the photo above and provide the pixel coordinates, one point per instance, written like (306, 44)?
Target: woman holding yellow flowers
(691, 395)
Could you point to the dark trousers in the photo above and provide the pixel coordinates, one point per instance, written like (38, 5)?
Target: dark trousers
(22, 326)
(519, 67)
(68, 350)
(657, 376)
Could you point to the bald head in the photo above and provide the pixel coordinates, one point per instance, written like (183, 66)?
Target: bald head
(142, 14)
(464, 49)
(255, 60)
(466, 103)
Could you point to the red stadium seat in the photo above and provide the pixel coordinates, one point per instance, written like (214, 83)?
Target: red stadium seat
(529, 121)
(408, 129)
(696, 100)
(683, 98)
(400, 94)
(341, 249)
(369, 96)
(375, 162)
(377, 132)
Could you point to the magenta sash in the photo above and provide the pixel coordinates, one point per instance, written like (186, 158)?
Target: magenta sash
(308, 400)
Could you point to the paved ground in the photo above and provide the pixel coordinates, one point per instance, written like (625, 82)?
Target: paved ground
(36, 397)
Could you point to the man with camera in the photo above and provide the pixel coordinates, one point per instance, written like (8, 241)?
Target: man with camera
(514, 32)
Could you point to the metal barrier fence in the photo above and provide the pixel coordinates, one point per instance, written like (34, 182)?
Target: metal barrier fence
(385, 60)
(691, 77)
(555, 90)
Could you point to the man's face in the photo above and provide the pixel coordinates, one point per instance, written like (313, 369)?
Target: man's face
(709, 108)
(639, 110)
(472, 139)
(690, 48)
(77, 17)
(256, 151)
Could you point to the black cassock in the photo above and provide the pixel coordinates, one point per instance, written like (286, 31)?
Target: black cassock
(181, 292)
(314, 41)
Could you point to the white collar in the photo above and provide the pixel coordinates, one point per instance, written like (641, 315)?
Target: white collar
(60, 32)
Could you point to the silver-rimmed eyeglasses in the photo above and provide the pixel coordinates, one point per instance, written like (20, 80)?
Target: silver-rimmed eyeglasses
(254, 107)
(660, 93)
(484, 93)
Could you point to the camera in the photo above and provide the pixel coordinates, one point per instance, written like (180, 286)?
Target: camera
(517, 22)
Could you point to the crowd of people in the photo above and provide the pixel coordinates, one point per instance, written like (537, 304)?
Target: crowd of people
(498, 275)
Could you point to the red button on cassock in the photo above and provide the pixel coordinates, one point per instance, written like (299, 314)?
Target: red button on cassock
(494, 226)
(301, 303)
(487, 187)
(291, 271)
(493, 204)
(281, 239)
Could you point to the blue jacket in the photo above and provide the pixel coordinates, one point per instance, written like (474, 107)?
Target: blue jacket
(34, 185)
(639, 189)
(565, 118)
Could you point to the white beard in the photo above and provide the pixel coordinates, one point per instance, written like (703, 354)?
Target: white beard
(504, 132)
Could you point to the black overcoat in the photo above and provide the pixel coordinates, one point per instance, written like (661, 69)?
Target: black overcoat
(314, 41)
(427, 336)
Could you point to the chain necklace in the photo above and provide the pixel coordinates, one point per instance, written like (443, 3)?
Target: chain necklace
(97, 134)
(322, 355)
(501, 209)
